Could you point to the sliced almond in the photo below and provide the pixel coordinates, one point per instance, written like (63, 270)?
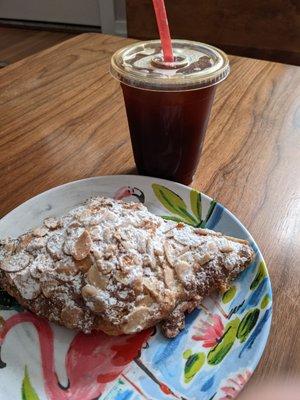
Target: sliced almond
(148, 225)
(205, 232)
(168, 301)
(97, 254)
(93, 300)
(67, 247)
(183, 271)
(224, 246)
(146, 300)
(28, 287)
(150, 247)
(212, 247)
(83, 215)
(226, 249)
(40, 264)
(98, 306)
(40, 232)
(107, 235)
(137, 284)
(184, 252)
(73, 225)
(66, 266)
(147, 261)
(105, 267)
(110, 251)
(82, 246)
(50, 287)
(24, 241)
(95, 278)
(200, 231)
(36, 244)
(169, 276)
(203, 259)
(137, 320)
(71, 315)
(236, 240)
(152, 288)
(52, 223)
(15, 263)
(122, 277)
(127, 260)
(8, 246)
(89, 291)
(54, 246)
(140, 244)
(109, 216)
(96, 233)
(83, 265)
(158, 251)
(168, 253)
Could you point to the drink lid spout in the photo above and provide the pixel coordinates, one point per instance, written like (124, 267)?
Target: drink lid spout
(179, 62)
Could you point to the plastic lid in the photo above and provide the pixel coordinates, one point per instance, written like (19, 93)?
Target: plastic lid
(196, 65)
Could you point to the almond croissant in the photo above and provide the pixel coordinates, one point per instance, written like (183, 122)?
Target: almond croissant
(114, 266)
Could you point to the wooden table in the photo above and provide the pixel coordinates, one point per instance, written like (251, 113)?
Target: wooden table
(62, 118)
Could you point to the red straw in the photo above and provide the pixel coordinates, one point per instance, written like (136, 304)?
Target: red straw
(163, 28)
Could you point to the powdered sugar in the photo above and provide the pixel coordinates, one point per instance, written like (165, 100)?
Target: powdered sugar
(117, 266)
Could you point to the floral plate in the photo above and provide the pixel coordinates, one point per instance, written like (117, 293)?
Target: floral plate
(212, 358)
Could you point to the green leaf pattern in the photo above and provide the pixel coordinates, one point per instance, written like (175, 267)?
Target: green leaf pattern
(247, 324)
(28, 392)
(261, 273)
(193, 365)
(265, 301)
(195, 198)
(173, 203)
(229, 295)
(176, 205)
(172, 218)
(217, 354)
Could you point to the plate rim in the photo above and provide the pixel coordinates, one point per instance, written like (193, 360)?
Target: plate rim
(254, 360)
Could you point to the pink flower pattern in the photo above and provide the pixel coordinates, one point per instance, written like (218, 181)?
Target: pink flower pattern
(235, 385)
(209, 331)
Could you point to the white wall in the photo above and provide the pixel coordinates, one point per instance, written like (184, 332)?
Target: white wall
(109, 14)
(82, 12)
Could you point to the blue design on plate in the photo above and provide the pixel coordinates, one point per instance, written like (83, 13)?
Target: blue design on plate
(125, 395)
(215, 217)
(165, 358)
(208, 384)
(160, 372)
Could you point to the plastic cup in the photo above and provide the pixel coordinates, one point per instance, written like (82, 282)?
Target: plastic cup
(168, 104)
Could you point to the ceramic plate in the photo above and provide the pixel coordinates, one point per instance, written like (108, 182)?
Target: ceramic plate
(212, 358)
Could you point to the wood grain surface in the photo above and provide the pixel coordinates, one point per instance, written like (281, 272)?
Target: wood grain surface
(16, 44)
(62, 118)
(268, 29)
